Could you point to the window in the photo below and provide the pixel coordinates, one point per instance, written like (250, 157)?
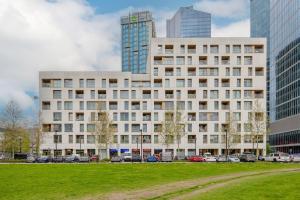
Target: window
(126, 127)
(247, 82)
(167, 82)
(115, 94)
(80, 139)
(68, 83)
(81, 105)
(214, 94)
(133, 94)
(68, 105)
(103, 83)
(57, 83)
(81, 127)
(236, 71)
(68, 127)
(236, 94)
(70, 139)
(155, 71)
(115, 116)
(248, 105)
(91, 127)
(126, 83)
(204, 139)
(133, 116)
(57, 139)
(59, 105)
(90, 139)
(90, 83)
(180, 83)
(214, 139)
(81, 83)
(124, 139)
(56, 94)
(46, 105)
(236, 48)
(124, 94)
(57, 116)
(156, 139)
(92, 94)
(155, 116)
(124, 116)
(70, 94)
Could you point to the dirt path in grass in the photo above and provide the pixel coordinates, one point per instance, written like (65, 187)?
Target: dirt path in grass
(186, 189)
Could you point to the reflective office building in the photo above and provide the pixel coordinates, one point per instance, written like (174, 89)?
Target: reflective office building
(260, 27)
(284, 57)
(189, 23)
(137, 30)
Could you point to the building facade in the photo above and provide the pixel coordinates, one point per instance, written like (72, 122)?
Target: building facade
(189, 23)
(206, 79)
(137, 29)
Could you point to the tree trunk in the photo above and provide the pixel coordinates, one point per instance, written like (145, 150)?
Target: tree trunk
(107, 151)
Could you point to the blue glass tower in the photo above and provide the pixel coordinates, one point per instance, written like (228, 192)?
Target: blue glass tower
(188, 22)
(137, 30)
(260, 27)
(279, 21)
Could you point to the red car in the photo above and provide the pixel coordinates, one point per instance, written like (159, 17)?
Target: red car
(197, 159)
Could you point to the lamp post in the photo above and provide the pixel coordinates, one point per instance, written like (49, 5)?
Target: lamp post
(20, 144)
(55, 153)
(141, 145)
(226, 145)
(195, 141)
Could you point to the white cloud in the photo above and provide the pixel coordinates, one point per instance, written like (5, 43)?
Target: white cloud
(224, 8)
(235, 29)
(59, 35)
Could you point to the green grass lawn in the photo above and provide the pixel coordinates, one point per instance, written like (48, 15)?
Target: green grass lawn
(69, 181)
(283, 187)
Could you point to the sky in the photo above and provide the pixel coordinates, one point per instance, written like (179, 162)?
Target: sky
(39, 35)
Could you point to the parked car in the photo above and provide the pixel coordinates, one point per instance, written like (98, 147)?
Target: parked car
(295, 158)
(31, 159)
(233, 158)
(127, 157)
(277, 157)
(136, 158)
(197, 159)
(58, 159)
(247, 157)
(43, 159)
(221, 158)
(84, 159)
(116, 159)
(209, 158)
(71, 159)
(94, 158)
(2, 157)
(152, 159)
(166, 157)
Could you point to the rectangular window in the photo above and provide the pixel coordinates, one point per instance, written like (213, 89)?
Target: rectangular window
(90, 139)
(90, 83)
(68, 83)
(56, 94)
(68, 127)
(68, 105)
(57, 116)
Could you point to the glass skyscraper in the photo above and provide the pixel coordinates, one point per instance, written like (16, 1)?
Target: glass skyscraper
(137, 30)
(189, 23)
(284, 67)
(260, 27)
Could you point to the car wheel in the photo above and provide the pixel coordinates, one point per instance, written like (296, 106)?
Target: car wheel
(274, 160)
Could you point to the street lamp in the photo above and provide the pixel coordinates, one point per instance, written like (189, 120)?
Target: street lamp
(141, 145)
(226, 144)
(195, 141)
(55, 153)
(20, 144)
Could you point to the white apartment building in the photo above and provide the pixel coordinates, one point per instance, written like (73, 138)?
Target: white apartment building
(205, 78)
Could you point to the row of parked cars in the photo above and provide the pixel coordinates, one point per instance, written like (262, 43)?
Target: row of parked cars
(58, 159)
(168, 157)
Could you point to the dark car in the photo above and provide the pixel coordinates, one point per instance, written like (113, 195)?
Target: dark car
(72, 159)
(116, 159)
(136, 158)
(152, 159)
(43, 159)
(58, 159)
(31, 159)
(247, 157)
(196, 159)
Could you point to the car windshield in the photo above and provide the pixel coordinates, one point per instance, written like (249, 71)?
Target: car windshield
(284, 154)
(127, 154)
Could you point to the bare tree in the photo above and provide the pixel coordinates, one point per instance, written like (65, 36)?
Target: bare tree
(231, 129)
(173, 127)
(104, 130)
(15, 134)
(258, 124)
(12, 116)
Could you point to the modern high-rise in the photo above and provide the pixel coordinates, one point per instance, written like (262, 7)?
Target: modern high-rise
(137, 29)
(284, 59)
(208, 80)
(260, 27)
(189, 23)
